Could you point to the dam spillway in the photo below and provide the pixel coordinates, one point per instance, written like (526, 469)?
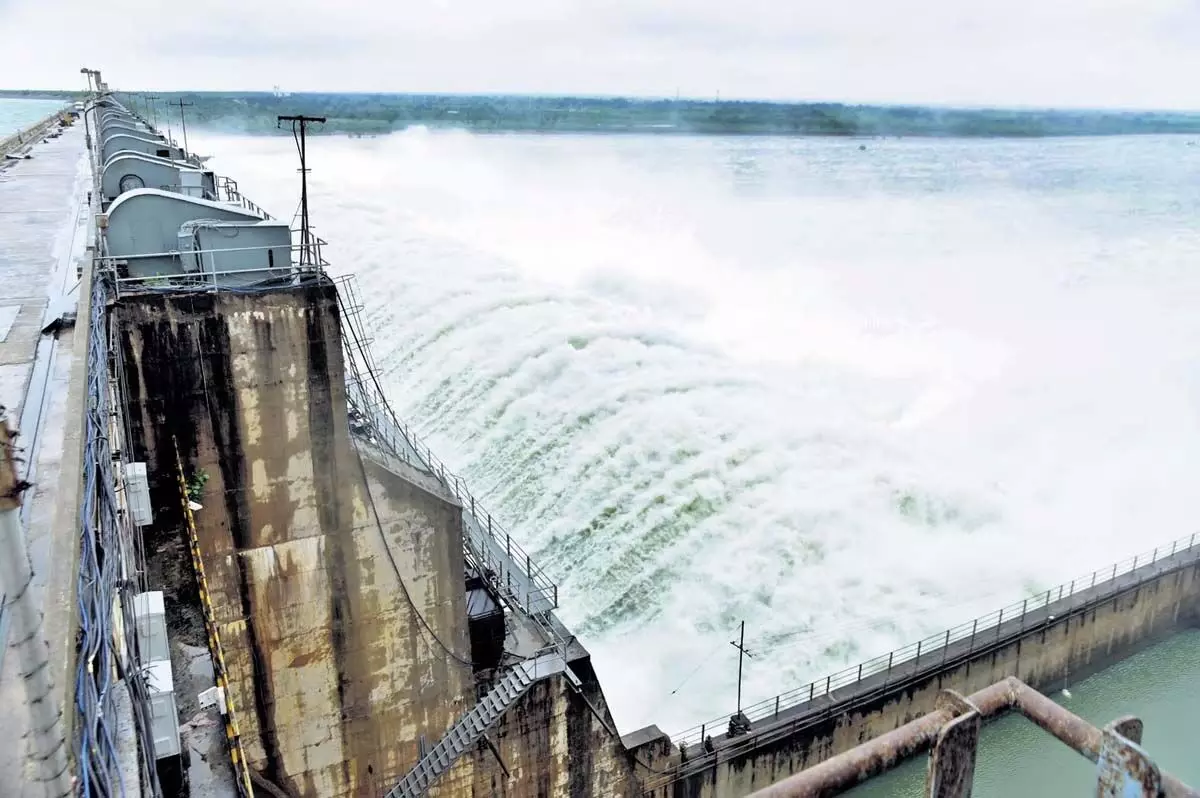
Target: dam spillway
(368, 627)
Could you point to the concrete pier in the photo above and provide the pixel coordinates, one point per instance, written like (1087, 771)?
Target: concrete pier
(44, 218)
(337, 588)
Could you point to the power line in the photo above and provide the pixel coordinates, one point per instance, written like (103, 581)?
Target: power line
(403, 588)
(696, 669)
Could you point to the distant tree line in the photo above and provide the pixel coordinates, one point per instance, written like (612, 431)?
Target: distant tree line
(255, 112)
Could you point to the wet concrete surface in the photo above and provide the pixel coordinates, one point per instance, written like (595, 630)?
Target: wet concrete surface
(43, 217)
(206, 755)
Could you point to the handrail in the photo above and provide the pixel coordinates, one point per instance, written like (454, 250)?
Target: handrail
(400, 436)
(229, 187)
(205, 278)
(166, 253)
(190, 191)
(365, 397)
(208, 282)
(820, 688)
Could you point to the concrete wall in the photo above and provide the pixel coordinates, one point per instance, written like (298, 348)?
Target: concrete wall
(333, 676)
(1064, 648)
(557, 742)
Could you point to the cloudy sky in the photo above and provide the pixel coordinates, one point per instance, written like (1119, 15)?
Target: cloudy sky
(1099, 53)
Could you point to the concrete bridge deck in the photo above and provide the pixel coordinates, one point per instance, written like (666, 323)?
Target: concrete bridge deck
(44, 219)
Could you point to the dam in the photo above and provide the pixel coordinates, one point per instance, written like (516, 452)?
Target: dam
(277, 589)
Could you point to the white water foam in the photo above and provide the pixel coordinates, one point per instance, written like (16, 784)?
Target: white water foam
(850, 396)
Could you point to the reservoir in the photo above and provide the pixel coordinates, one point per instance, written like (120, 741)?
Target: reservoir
(1017, 758)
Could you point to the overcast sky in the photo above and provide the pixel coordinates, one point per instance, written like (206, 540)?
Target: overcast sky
(1098, 53)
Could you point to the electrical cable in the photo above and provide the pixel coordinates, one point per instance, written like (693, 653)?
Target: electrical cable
(696, 669)
(106, 551)
(403, 588)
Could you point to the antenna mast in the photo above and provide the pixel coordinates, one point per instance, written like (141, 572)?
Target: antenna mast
(299, 126)
(739, 723)
(743, 652)
(183, 121)
(150, 98)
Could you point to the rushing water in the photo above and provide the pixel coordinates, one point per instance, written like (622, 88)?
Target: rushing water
(17, 114)
(851, 392)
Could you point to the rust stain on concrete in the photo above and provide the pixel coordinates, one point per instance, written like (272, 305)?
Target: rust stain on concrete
(324, 651)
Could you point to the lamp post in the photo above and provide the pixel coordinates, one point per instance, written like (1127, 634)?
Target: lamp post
(87, 128)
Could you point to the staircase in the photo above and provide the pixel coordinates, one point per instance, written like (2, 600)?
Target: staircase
(467, 730)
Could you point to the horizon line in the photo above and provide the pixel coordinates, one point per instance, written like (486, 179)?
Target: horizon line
(716, 99)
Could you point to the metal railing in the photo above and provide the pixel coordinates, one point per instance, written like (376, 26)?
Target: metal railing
(936, 646)
(210, 278)
(228, 187)
(212, 282)
(200, 192)
(403, 443)
(490, 546)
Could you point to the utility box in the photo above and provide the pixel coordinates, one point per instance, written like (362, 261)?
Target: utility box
(151, 615)
(137, 494)
(154, 647)
(164, 714)
(191, 183)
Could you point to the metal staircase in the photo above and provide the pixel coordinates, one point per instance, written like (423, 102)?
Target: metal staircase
(467, 730)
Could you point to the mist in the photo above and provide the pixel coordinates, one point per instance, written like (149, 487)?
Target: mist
(851, 397)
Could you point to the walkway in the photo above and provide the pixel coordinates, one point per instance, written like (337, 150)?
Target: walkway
(43, 219)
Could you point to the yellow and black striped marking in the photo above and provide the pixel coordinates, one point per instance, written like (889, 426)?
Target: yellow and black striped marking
(236, 752)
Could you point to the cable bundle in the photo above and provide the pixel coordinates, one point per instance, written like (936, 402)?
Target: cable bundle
(109, 570)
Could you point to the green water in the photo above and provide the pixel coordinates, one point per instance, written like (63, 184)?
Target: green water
(1160, 685)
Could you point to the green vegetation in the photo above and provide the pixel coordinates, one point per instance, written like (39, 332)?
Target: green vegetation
(195, 486)
(369, 114)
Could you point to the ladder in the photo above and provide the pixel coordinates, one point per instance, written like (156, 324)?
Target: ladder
(467, 730)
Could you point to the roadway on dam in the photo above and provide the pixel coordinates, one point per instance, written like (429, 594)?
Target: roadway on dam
(44, 223)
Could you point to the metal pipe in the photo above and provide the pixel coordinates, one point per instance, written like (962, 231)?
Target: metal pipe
(49, 749)
(841, 772)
